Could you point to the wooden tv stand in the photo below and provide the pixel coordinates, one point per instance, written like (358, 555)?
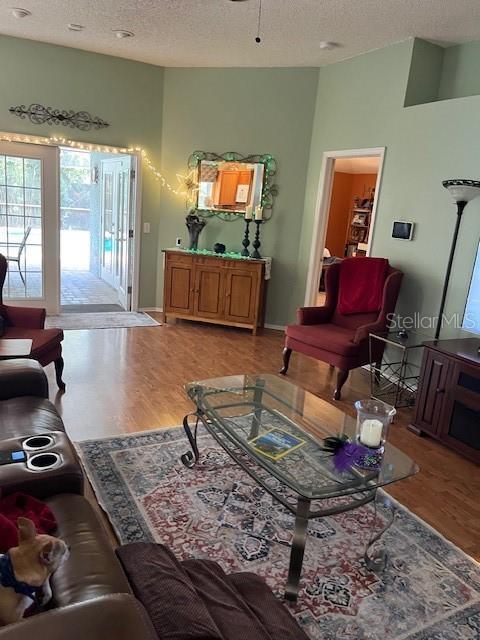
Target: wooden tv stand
(215, 289)
(448, 398)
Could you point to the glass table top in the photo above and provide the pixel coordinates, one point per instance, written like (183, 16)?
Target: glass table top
(264, 414)
(409, 339)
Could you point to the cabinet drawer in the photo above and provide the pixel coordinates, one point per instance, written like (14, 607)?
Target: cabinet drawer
(240, 265)
(178, 258)
(209, 262)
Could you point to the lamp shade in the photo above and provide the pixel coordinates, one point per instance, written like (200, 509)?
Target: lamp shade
(462, 190)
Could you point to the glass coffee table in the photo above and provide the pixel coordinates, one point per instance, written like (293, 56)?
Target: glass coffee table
(243, 412)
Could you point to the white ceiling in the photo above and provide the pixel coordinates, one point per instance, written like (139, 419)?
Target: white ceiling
(220, 33)
(357, 165)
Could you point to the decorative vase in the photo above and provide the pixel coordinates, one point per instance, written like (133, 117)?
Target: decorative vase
(194, 226)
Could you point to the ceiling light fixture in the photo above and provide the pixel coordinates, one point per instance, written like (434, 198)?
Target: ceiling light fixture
(17, 12)
(75, 27)
(327, 45)
(258, 38)
(123, 33)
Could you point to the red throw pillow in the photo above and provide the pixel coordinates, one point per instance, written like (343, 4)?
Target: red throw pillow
(8, 534)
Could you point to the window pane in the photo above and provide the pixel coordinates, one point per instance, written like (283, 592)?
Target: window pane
(21, 225)
(33, 174)
(3, 229)
(33, 196)
(15, 195)
(15, 171)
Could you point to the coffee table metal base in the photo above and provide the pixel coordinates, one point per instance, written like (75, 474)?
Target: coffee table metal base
(374, 561)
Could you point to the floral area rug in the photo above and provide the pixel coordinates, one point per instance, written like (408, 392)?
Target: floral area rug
(428, 590)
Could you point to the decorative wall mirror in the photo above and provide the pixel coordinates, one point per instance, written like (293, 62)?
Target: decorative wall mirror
(229, 183)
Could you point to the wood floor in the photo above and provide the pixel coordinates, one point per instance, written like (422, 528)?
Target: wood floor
(127, 380)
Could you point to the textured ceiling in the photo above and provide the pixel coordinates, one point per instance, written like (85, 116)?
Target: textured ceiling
(357, 165)
(221, 33)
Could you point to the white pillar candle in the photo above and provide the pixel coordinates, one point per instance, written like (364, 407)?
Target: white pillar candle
(258, 213)
(248, 212)
(371, 433)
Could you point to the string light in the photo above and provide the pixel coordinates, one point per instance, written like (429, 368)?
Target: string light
(186, 185)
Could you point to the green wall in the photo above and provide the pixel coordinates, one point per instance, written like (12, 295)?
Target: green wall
(360, 104)
(126, 94)
(296, 114)
(425, 75)
(249, 111)
(460, 73)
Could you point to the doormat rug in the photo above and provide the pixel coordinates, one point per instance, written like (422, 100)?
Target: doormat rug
(429, 590)
(107, 320)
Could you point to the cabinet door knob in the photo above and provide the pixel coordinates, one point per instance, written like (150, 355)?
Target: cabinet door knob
(439, 390)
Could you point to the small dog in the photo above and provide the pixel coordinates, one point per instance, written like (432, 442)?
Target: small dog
(25, 571)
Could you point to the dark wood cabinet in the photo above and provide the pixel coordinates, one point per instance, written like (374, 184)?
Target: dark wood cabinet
(214, 289)
(448, 399)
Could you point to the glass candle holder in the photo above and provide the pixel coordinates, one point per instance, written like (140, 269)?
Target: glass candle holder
(373, 418)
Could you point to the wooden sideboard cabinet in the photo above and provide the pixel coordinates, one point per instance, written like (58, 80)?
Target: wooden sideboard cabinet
(214, 289)
(448, 398)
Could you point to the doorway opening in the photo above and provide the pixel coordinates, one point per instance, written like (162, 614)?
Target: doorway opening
(345, 216)
(96, 229)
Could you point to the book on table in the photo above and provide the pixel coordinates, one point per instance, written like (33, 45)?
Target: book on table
(276, 443)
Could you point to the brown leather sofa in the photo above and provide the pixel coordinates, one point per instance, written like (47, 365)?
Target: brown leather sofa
(91, 594)
(92, 591)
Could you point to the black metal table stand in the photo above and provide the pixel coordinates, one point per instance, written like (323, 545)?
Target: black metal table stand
(190, 458)
(298, 549)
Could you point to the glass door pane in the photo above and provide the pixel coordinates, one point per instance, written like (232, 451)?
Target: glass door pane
(116, 221)
(28, 214)
(21, 225)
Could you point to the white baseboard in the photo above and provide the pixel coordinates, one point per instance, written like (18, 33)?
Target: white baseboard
(147, 309)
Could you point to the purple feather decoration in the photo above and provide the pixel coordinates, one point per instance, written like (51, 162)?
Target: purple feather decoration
(354, 454)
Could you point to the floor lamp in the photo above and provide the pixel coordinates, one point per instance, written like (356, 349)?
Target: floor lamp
(462, 191)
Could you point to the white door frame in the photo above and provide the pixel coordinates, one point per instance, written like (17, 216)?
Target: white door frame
(137, 201)
(322, 209)
(132, 245)
(136, 198)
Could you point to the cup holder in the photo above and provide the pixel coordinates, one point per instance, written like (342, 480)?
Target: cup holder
(36, 443)
(43, 461)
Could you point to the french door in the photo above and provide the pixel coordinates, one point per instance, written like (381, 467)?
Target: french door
(29, 224)
(117, 227)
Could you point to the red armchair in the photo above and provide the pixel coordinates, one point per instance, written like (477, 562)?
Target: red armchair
(338, 339)
(26, 322)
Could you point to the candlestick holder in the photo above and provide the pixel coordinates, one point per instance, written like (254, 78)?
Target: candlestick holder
(256, 243)
(246, 240)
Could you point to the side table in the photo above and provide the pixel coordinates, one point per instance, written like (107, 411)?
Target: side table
(395, 380)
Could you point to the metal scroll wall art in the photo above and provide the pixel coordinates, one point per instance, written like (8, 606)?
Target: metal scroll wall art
(38, 114)
(267, 189)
